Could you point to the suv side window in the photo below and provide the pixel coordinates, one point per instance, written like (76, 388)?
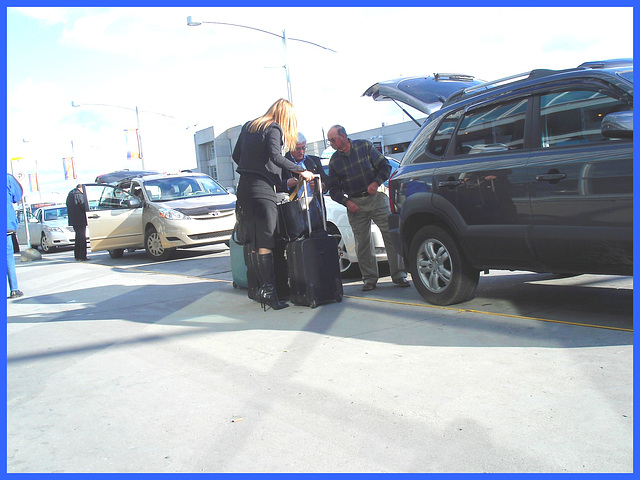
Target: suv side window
(499, 127)
(438, 145)
(417, 151)
(575, 117)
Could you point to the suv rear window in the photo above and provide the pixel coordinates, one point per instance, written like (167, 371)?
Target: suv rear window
(438, 145)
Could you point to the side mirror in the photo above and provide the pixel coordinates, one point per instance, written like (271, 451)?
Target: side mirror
(134, 202)
(618, 125)
(231, 190)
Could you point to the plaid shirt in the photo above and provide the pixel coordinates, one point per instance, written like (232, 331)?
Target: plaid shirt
(352, 173)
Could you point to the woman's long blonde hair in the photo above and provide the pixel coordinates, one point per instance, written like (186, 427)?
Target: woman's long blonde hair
(283, 113)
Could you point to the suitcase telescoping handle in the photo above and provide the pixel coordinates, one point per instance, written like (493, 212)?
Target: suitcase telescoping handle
(317, 190)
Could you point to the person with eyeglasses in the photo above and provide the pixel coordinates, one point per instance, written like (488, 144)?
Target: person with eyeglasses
(310, 162)
(356, 171)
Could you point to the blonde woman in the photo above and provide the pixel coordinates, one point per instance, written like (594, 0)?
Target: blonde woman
(259, 155)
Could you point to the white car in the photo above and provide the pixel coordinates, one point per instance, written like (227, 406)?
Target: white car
(48, 228)
(338, 226)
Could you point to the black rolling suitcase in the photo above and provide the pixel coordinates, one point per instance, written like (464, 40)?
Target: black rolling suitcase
(314, 270)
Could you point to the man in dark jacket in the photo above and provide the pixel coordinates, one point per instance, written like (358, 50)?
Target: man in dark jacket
(77, 209)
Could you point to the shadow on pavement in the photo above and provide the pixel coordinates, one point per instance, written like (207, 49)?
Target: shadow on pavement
(210, 307)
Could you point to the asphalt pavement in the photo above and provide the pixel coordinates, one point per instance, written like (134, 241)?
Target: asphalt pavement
(133, 366)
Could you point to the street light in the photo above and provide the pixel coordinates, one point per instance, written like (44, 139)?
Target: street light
(194, 23)
(137, 120)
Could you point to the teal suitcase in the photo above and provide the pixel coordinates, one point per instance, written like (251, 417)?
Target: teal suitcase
(238, 265)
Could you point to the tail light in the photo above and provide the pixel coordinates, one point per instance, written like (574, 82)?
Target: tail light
(392, 194)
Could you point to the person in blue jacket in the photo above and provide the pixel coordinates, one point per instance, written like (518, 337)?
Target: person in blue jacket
(14, 194)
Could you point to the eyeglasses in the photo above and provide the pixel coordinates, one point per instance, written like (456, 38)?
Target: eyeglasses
(300, 149)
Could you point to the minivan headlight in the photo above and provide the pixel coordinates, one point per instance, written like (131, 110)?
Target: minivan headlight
(171, 214)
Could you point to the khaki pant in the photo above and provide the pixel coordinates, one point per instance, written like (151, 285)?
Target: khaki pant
(374, 208)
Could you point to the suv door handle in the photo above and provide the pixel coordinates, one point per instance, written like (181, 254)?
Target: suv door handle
(450, 183)
(93, 216)
(551, 177)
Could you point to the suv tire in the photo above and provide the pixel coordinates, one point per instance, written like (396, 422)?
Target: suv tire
(439, 269)
(153, 246)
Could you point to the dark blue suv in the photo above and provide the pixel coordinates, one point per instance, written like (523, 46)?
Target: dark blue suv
(533, 172)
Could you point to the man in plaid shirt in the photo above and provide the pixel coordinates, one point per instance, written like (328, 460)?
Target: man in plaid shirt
(356, 170)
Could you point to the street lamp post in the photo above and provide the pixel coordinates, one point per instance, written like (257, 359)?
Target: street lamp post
(194, 23)
(137, 121)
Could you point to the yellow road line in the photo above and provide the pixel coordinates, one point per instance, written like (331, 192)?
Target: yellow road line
(421, 305)
(424, 305)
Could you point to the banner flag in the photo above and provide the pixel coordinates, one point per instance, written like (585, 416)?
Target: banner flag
(69, 168)
(33, 182)
(133, 143)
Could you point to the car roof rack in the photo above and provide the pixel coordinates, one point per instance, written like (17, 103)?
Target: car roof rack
(533, 74)
(484, 86)
(495, 82)
(613, 63)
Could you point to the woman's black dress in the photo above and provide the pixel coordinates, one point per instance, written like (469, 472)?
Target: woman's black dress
(260, 164)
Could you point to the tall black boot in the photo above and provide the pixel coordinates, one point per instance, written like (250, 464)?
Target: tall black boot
(268, 294)
(253, 278)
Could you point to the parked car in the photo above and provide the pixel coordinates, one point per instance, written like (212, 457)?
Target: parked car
(159, 212)
(533, 172)
(48, 228)
(338, 226)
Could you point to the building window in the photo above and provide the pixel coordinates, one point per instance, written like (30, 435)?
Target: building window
(213, 171)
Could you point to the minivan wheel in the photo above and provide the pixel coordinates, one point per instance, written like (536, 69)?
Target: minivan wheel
(439, 269)
(153, 246)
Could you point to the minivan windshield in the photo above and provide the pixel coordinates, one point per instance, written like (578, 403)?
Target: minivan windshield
(172, 188)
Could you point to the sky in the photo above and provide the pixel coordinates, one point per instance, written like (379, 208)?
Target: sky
(182, 79)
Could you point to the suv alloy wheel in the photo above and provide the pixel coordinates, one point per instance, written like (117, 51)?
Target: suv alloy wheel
(438, 268)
